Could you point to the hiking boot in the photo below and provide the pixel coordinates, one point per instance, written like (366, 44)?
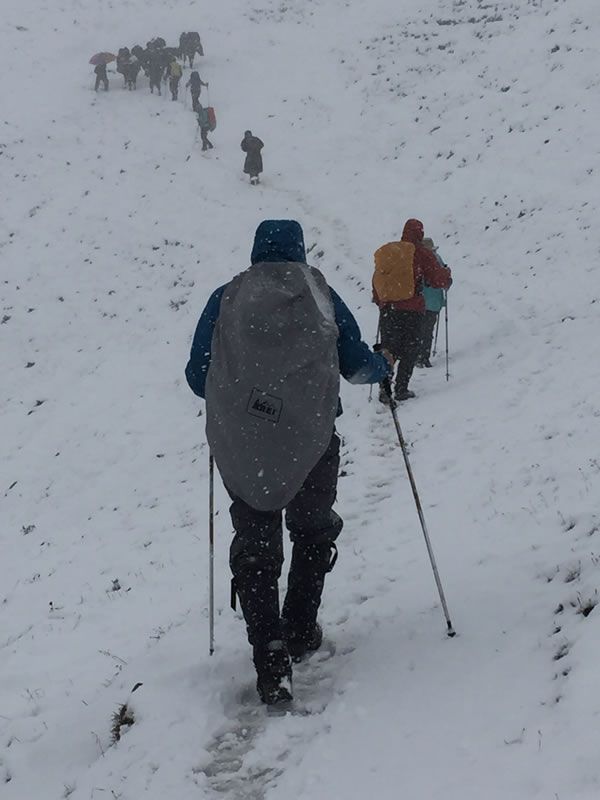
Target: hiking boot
(274, 673)
(299, 646)
(403, 394)
(426, 363)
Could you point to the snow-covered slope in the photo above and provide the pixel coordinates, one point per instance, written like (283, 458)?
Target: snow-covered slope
(480, 119)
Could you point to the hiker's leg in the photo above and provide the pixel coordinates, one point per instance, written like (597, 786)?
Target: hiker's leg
(255, 558)
(314, 526)
(389, 335)
(428, 329)
(408, 328)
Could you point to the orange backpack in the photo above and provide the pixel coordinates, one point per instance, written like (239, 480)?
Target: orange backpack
(394, 276)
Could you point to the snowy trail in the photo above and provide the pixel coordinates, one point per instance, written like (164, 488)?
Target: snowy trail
(116, 230)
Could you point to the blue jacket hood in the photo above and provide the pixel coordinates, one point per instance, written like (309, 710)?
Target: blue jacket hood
(278, 240)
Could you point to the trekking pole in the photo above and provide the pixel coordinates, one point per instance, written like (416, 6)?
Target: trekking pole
(388, 390)
(211, 554)
(446, 319)
(376, 344)
(437, 327)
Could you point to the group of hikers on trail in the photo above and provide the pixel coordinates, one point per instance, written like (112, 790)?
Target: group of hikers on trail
(267, 355)
(155, 59)
(160, 63)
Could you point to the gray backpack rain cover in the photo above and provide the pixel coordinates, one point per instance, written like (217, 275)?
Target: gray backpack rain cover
(273, 381)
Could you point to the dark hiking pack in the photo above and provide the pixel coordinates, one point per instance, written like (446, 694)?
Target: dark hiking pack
(273, 382)
(394, 276)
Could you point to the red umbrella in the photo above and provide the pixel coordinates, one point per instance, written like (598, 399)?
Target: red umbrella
(102, 58)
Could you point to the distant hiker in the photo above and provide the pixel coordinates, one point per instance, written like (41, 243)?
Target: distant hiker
(101, 76)
(130, 72)
(267, 355)
(253, 165)
(195, 84)
(174, 73)
(204, 125)
(435, 300)
(189, 45)
(400, 271)
(142, 56)
(122, 59)
(154, 72)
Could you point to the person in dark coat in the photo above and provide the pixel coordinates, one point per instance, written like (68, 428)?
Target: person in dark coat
(401, 322)
(253, 165)
(154, 72)
(195, 84)
(101, 76)
(137, 51)
(256, 553)
(130, 72)
(122, 60)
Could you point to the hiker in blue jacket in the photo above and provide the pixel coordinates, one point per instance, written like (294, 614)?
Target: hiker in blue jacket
(435, 300)
(256, 553)
(358, 364)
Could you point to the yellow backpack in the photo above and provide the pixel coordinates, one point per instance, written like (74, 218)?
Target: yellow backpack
(394, 276)
(175, 70)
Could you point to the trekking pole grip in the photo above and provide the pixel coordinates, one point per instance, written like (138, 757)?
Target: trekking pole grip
(386, 383)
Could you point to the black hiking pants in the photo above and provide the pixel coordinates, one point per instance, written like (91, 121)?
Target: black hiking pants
(430, 319)
(401, 334)
(256, 553)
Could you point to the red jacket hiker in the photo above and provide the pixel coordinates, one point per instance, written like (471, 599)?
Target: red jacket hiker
(426, 268)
